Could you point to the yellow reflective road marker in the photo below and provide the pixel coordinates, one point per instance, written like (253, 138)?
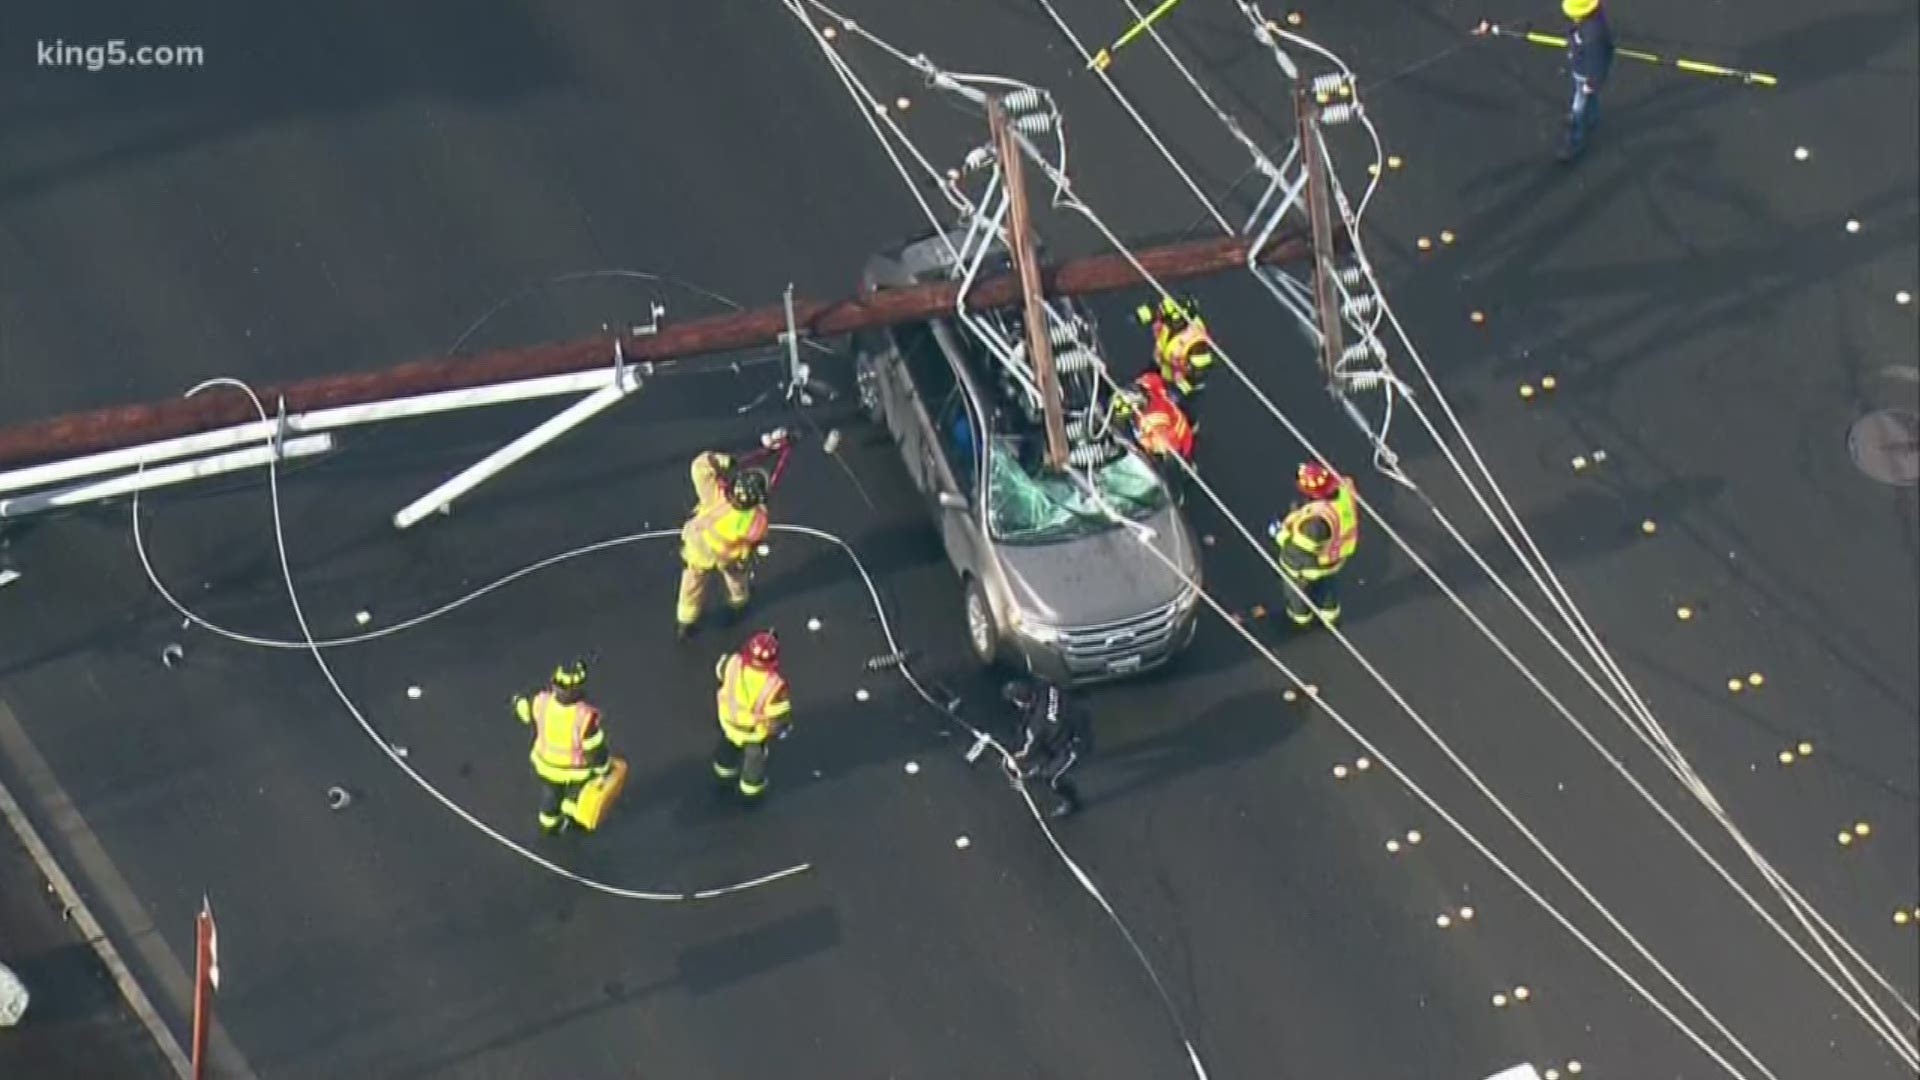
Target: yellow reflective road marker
(1104, 58)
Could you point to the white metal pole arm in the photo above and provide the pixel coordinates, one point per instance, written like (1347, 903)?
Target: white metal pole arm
(178, 473)
(500, 460)
(304, 423)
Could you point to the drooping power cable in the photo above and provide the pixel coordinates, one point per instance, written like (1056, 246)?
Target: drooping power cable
(316, 648)
(1801, 909)
(1062, 186)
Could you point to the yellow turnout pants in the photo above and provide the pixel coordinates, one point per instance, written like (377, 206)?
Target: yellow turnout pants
(693, 589)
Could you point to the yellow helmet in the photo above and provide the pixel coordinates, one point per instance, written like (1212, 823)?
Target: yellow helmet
(1579, 9)
(1177, 311)
(570, 676)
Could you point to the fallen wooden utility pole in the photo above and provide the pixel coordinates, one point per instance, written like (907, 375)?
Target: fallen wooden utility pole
(1020, 231)
(132, 425)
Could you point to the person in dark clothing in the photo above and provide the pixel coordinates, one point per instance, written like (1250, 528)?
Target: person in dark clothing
(1055, 735)
(1590, 60)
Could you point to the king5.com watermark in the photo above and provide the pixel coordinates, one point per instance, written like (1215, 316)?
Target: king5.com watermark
(117, 53)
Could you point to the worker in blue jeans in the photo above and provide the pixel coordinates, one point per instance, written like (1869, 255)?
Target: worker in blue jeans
(1589, 60)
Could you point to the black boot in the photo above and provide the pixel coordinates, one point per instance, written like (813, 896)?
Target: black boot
(684, 631)
(1571, 146)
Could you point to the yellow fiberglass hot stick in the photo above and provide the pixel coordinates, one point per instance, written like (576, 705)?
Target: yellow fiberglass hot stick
(1695, 67)
(1105, 56)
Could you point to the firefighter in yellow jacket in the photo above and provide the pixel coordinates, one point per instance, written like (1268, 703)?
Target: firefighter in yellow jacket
(754, 711)
(569, 748)
(1182, 347)
(729, 521)
(1316, 539)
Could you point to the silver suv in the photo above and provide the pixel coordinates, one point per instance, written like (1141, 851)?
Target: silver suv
(1053, 583)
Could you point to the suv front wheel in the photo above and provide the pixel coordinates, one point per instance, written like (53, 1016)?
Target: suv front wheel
(983, 634)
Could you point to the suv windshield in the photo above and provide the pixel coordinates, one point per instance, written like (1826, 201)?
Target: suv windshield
(1029, 505)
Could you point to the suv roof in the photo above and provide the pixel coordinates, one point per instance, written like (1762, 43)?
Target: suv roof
(930, 256)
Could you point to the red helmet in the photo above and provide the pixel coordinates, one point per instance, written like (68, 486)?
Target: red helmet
(1152, 384)
(762, 650)
(1316, 481)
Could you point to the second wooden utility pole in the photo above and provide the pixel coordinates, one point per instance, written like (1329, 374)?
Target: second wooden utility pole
(1039, 344)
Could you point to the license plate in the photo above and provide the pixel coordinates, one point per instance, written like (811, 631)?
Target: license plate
(1131, 663)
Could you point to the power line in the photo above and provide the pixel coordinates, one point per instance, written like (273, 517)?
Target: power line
(1269, 34)
(1064, 186)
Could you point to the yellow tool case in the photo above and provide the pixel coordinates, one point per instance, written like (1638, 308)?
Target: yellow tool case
(599, 795)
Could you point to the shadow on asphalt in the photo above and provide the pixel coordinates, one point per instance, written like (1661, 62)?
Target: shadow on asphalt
(704, 969)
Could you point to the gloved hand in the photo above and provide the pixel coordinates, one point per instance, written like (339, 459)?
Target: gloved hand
(775, 439)
(1144, 314)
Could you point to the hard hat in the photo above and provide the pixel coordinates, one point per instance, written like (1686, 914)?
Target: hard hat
(1579, 9)
(1182, 309)
(747, 489)
(1316, 481)
(570, 676)
(762, 650)
(1152, 383)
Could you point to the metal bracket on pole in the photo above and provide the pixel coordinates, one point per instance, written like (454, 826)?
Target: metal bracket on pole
(279, 428)
(441, 498)
(8, 572)
(656, 311)
(798, 386)
(798, 374)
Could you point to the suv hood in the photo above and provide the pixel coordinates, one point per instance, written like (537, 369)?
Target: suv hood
(1106, 578)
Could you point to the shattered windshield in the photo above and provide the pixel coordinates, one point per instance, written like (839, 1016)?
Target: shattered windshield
(1025, 504)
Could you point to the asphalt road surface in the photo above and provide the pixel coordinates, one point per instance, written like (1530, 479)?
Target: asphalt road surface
(76, 1023)
(343, 190)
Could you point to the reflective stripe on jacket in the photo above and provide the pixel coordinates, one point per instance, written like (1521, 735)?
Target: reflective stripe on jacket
(1346, 523)
(721, 535)
(751, 701)
(1341, 517)
(564, 737)
(1183, 353)
(1164, 429)
(718, 534)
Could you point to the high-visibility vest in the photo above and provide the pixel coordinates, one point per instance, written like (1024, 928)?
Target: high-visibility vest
(750, 701)
(561, 734)
(1346, 523)
(720, 534)
(1342, 517)
(1164, 429)
(1184, 352)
